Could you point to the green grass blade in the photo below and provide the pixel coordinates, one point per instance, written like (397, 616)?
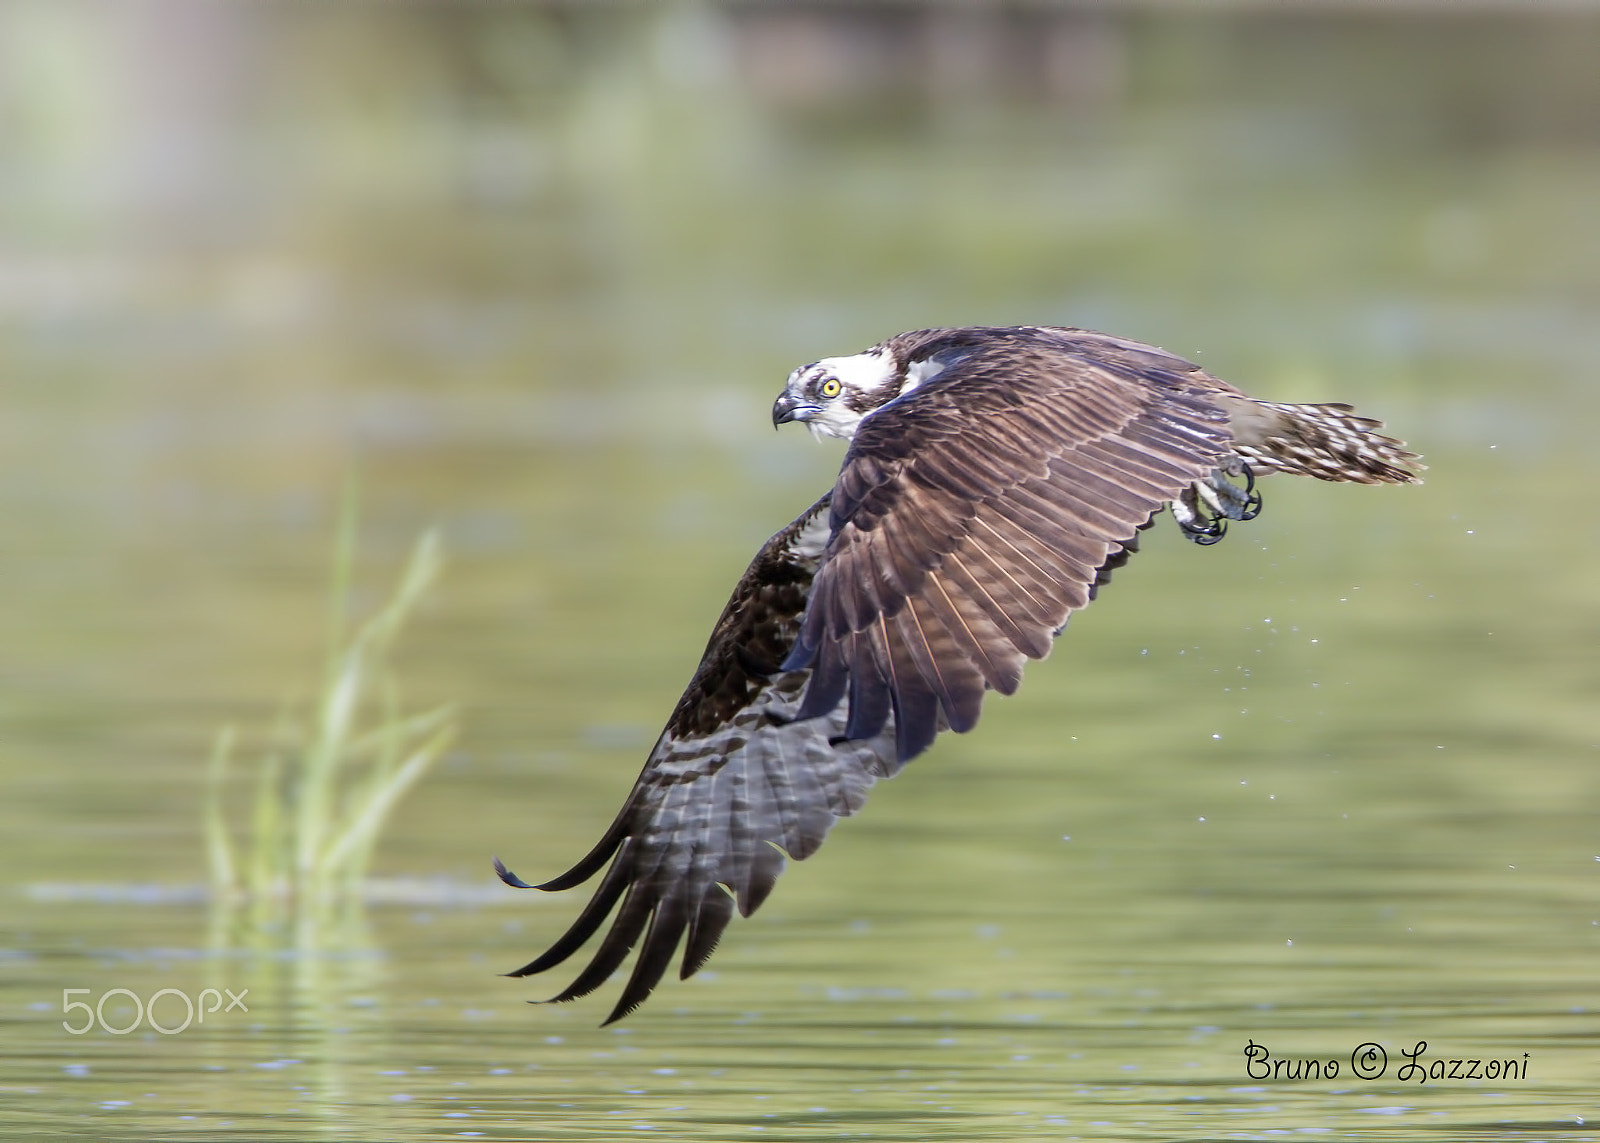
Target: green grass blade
(219, 849)
(376, 806)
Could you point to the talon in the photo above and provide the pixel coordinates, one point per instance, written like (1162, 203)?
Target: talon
(1200, 528)
(1252, 498)
(1208, 504)
(1207, 533)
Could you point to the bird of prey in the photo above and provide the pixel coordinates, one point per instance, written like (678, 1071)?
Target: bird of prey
(994, 479)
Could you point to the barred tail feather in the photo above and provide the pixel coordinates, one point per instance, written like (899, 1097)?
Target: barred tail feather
(1328, 441)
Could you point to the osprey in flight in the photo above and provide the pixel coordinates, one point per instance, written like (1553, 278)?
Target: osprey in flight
(994, 480)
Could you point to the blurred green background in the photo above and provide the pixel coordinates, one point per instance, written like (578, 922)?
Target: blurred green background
(536, 271)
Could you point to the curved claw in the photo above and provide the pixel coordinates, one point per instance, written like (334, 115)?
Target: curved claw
(1210, 534)
(1252, 497)
(1204, 529)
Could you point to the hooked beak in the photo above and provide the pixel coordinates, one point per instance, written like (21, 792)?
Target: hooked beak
(788, 408)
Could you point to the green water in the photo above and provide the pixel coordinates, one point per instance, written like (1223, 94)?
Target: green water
(538, 273)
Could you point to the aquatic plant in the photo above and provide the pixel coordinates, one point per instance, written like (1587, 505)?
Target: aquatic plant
(332, 775)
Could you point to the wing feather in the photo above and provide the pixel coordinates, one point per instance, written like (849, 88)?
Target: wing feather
(735, 783)
(869, 689)
(706, 929)
(615, 945)
(668, 922)
(945, 663)
(996, 603)
(1028, 595)
(594, 914)
(978, 636)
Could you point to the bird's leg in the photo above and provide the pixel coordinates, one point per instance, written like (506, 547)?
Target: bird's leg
(1228, 499)
(1204, 508)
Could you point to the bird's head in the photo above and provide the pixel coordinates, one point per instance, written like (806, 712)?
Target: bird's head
(833, 395)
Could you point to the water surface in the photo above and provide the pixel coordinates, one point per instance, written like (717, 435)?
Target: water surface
(537, 274)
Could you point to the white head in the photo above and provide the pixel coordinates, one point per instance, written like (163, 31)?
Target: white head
(833, 395)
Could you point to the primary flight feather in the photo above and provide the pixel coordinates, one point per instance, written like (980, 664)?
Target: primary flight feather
(995, 478)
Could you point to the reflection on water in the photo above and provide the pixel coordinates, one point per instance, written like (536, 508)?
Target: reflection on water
(541, 270)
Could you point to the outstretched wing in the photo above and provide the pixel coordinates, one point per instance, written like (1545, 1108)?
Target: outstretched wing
(975, 514)
(733, 786)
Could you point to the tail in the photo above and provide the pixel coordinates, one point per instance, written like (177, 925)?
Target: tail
(1329, 442)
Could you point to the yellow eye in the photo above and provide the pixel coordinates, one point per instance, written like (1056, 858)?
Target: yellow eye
(830, 387)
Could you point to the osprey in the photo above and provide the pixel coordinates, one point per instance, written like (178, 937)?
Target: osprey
(995, 478)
